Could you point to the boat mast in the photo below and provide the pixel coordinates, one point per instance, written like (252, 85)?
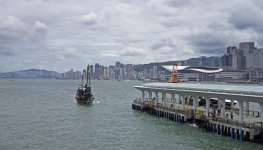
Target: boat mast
(89, 78)
(87, 82)
(82, 76)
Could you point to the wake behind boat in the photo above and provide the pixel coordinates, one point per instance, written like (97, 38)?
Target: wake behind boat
(84, 94)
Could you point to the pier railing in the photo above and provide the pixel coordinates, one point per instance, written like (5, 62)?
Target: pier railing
(178, 111)
(168, 107)
(237, 123)
(159, 105)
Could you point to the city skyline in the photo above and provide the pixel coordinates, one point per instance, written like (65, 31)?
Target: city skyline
(243, 63)
(76, 33)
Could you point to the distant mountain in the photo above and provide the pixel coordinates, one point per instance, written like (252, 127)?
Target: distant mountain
(31, 74)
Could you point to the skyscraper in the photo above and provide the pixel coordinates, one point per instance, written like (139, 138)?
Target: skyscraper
(155, 72)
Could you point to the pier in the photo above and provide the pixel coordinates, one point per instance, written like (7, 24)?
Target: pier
(223, 109)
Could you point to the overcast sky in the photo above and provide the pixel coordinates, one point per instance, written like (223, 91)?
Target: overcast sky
(62, 34)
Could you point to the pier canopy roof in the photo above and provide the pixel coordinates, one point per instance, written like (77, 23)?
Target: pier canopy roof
(197, 69)
(251, 93)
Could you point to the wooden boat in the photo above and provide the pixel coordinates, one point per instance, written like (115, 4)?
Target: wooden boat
(84, 94)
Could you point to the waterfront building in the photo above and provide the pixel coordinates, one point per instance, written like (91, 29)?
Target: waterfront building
(232, 75)
(255, 75)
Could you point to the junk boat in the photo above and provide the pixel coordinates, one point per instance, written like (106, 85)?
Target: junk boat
(84, 94)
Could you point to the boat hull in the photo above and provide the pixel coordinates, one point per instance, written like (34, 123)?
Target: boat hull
(84, 101)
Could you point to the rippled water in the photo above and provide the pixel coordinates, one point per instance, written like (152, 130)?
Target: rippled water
(42, 114)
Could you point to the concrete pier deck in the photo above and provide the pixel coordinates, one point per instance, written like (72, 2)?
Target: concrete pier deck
(220, 108)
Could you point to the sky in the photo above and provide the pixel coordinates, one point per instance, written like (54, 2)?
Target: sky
(62, 34)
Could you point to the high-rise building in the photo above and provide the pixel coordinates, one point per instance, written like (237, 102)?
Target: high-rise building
(247, 48)
(247, 56)
(151, 73)
(204, 61)
(91, 70)
(97, 71)
(257, 58)
(253, 55)
(194, 62)
(226, 61)
(155, 72)
(234, 58)
(84, 74)
(106, 73)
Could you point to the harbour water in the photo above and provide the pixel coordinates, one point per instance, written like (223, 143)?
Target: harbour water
(42, 114)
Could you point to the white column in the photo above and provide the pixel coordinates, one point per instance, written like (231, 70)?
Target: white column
(163, 97)
(241, 110)
(261, 112)
(219, 103)
(187, 99)
(143, 96)
(194, 103)
(150, 95)
(232, 103)
(156, 97)
(173, 99)
(207, 106)
(223, 110)
(183, 102)
(247, 108)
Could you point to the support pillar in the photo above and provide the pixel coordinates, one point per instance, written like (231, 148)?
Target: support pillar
(164, 98)
(150, 95)
(156, 96)
(232, 104)
(143, 96)
(183, 102)
(194, 103)
(223, 110)
(247, 108)
(207, 107)
(241, 110)
(173, 99)
(219, 105)
(261, 112)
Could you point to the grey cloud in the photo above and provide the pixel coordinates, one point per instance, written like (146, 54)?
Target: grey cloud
(247, 17)
(176, 3)
(258, 3)
(40, 30)
(100, 30)
(218, 26)
(89, 19)
(208, 43)
(14, 30)
(6, 51)
(61, 52)
(166, 42)
(132, 52)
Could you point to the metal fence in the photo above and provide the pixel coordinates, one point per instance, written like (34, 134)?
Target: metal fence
(237, 123)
